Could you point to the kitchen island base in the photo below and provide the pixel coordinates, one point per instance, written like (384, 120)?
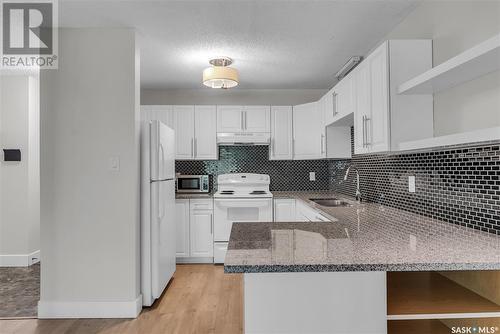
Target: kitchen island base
(315, 302)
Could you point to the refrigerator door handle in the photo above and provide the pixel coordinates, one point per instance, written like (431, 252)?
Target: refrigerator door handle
(162, 158)
(161, 180)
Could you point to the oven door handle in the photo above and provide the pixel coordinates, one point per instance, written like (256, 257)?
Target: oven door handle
(242, 203)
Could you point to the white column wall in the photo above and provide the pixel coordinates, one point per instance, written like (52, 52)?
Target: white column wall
(90, 213)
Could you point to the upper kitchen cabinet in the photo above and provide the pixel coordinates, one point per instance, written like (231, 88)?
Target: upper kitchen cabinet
(162, 113)
(205, 130)
(382, 118)
(230, 119)
(257, 118)
(243, 119)
(309, 140)
(343, 97)
(328, 106)
(339, 101)
(184, 132)
(195, 132)
(281, 147)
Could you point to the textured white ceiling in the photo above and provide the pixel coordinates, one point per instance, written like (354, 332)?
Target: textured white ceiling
(274, 44)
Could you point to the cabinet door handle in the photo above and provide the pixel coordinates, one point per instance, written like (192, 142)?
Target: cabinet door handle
(195, 147)
(246, 125)
(334, 104)
(364, 131)
(368, 142)
(322, 139)
(211, 224)
(192, 147)
(242, 115)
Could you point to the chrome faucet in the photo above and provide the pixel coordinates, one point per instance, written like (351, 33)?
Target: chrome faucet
(358, 192)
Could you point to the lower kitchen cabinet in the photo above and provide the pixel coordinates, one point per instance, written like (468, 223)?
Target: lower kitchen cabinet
(304, 212)
(201, 232)
(182, 228)
(284, 210)
(291, 210)
(194, 219)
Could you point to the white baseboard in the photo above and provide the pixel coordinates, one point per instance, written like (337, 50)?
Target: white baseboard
(61, 310)
(186, 260)
(19, 260)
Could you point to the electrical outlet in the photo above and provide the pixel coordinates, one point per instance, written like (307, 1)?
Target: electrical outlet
(312, 176)
(411, 183)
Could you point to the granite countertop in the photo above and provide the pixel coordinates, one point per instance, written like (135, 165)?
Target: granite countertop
(366, 237)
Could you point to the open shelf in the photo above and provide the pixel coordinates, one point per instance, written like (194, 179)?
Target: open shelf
(416, 327)
(476, 136)
(470, 64)
(429, 295)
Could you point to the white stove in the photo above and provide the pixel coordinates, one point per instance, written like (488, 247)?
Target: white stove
(243, 185)
(241, 197)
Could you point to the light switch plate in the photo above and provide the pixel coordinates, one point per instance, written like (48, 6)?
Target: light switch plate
(411, 183)
(114, 164)
(312, 176)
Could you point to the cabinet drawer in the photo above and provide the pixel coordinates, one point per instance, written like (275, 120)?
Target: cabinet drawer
(201, 204)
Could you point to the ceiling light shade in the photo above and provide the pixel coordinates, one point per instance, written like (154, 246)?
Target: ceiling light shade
(219, 75)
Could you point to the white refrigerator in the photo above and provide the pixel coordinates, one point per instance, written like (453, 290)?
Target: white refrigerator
(157, 209)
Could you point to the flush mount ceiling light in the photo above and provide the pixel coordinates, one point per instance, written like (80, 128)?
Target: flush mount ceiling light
(220, 75)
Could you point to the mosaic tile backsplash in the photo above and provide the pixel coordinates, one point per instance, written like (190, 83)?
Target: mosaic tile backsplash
(459, 185)
(285, 175)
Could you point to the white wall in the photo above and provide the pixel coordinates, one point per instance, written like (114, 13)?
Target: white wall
(20, 181)
(231, 96)
(455, 26)
(90, 214)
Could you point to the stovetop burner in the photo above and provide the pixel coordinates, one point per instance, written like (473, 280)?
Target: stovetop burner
(258, 192)
(227, 192)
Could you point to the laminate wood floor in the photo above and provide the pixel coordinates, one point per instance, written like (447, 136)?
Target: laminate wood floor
(200, 299)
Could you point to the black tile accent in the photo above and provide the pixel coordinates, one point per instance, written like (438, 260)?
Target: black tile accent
(285, 175)
(459, 185)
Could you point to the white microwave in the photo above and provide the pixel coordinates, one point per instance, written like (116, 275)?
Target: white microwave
(193, 184)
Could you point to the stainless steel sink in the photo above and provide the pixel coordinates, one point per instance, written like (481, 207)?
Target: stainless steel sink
(330, 202)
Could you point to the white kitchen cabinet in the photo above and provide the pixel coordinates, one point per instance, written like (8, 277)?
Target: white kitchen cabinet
(377, 122)
(162, 113)
(343, 97)
(243, 119)
(383, 119)
(230, 119)
(194, 230)
(201, 229)
(306, 213)
(182, 228)
(184, 132)
(284, 210)
(329, 106)
(205, 130)
(195, 132)
(257, 118)
(363, 96)
(308, 132)
(281, 147)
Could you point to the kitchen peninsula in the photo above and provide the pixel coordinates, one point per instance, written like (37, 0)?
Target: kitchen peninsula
(354, 274)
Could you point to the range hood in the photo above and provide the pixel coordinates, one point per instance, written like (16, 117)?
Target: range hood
(243, 138)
